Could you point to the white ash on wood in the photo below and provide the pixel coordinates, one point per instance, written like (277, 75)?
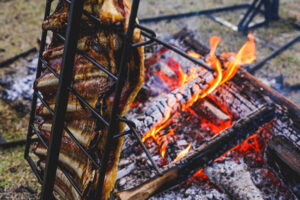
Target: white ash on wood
(197, 191)
(165, 105)
(186, 131)
(235, 179)
(244, 94)
(249, 95)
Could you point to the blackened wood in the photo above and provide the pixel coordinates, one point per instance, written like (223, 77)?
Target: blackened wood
(293, 109)
(166, 105)
(180, 170)
(188, 39)
(284, 158)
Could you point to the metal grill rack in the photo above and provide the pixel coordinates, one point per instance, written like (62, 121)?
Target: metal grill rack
(64, 88)
(70, 44)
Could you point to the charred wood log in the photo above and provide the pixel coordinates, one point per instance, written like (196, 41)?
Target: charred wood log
(210, 111)
(190, 42)
(180, 170)
(166, 105)
(283, 157)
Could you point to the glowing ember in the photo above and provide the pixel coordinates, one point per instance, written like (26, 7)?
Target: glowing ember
(194, 54)
(200, 175)
(216, 127)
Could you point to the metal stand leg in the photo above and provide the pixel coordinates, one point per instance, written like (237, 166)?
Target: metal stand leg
(271, 8)
(70, 47)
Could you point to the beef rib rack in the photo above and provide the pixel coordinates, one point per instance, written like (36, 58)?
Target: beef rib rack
(103, 43)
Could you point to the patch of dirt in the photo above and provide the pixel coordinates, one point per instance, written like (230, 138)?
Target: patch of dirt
(20, 22)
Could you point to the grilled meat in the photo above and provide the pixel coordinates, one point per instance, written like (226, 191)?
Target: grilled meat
(103, 43)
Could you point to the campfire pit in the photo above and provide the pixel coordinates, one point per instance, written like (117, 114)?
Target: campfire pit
(214, 117)
(234, 100)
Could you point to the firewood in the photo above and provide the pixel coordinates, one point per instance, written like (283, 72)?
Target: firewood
(166, 105)
(284, 157)
(180, 170)
(209, 111)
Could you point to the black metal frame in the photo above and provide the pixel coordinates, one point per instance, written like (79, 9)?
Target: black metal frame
(64, 88)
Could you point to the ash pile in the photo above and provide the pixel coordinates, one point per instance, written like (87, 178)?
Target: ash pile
(16, 82)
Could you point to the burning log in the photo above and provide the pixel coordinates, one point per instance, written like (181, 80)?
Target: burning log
(234, 179)
(180, 170)
(166, 105)
(210, 112)
(284, 158)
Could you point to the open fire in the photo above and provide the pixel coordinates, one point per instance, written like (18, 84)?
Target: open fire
(176, 77)
(176, 113)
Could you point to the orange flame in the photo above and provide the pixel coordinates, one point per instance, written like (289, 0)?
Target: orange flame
(181, 76)
(246, 55)
(194, 54)
(183, 152)
(164, 140)
(215, 63)
(200, 175)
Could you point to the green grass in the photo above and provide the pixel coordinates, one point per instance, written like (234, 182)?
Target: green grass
(14, 169)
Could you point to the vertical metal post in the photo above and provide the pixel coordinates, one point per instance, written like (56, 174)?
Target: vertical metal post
(38, 73)
(121, 79)
(62, 94)
(268, 11)
(274, 7)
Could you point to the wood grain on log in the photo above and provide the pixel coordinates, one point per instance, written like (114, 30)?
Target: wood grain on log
(284, 159)
(166, 105)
